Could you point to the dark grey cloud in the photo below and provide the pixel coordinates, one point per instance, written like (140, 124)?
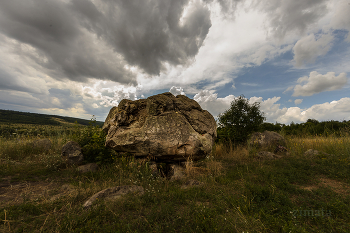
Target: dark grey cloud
(228, 7)
(292, 15)
(11, 82)
(65, 97)
(62, 47)
(148, 33)
(79, 39)
(22, 99)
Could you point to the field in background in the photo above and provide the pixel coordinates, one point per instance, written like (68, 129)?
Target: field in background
(15, 117)
(297, 193)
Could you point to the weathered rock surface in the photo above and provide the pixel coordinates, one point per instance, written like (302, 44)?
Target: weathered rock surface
(90, 167)
(71, 153)
(163, 126)
(110, 119)
(113, 193)
(267, 140)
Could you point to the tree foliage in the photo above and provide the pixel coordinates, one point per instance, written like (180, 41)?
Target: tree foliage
(240, 120)
(313, 127)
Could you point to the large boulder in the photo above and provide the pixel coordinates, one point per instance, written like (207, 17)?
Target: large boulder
(163, 126)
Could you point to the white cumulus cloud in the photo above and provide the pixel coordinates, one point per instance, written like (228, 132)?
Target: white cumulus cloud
(317, 83)
(176, 91)
(209, 101)
(298, 101)
(307, 49)
(334, 110)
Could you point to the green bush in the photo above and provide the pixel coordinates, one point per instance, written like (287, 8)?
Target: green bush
(92, 140)
(240, 120)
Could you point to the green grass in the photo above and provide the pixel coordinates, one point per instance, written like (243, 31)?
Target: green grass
(239, 194)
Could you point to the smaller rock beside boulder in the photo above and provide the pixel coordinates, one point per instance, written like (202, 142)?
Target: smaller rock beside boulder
(311, 153)
(267, 140)
(269, 145)
(71, 153)
(176, 172)
(113, 193)
(90, 167)
(153, 168)
(281, 150)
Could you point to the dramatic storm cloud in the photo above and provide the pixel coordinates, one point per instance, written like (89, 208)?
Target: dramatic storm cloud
(297, 15)
(81, 57)
(104, 39)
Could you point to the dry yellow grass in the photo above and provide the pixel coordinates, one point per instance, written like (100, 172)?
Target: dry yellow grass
(331, 145)
(223, 151)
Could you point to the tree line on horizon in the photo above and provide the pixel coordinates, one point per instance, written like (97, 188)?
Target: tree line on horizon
(311, 127)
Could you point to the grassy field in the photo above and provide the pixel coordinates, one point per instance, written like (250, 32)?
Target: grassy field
(296, 193)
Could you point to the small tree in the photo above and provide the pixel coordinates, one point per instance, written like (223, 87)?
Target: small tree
(240, 120)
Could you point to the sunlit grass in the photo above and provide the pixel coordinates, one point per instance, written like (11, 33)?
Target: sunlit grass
(330, 145)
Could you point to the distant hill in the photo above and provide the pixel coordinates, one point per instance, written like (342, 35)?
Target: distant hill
(15, 117)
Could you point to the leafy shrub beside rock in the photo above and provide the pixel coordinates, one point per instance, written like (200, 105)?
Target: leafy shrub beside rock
(92, 141)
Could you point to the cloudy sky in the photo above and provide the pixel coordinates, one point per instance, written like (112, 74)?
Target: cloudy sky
(81, 57)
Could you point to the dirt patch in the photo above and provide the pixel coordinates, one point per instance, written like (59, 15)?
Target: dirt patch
(336, 186)
(14, 193)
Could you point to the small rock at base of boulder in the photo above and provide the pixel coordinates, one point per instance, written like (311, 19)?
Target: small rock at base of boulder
(153, 168)
(71, 153)
(281, 150)
(90, 167)
(113, 193)
(44, 144)
(176, 172)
